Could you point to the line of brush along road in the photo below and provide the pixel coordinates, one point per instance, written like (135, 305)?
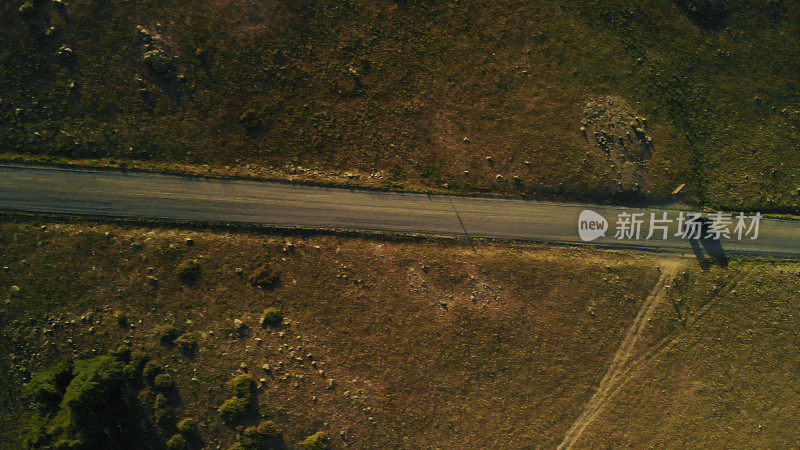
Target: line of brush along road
(121, 194)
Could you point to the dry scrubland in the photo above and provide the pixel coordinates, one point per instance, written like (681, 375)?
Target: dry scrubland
(427, 344)
(418, 94)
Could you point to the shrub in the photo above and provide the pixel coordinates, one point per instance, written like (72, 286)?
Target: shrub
(164, 417)
(265, 435)
(317, 441)
(188, 426)
(47, 387)
(151, 369)
(251, 120)
(264, 277)
(710, 15)
(188, 271)
(271, 317)
(136, 364)
(187, 342)
(234, 409)
(161, 402)
(122, 319)
(166, 334)
(93, 403)
(177, 442)
(163, 382)
(241, 385)
(122, 353)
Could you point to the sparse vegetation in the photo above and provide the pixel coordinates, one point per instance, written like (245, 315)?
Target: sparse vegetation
(263, 436)
(271, 317)
(187, 342)
(188, 271)
(163, 382)
(166, 334)
(177, 442)
(265, 277)
(188, 426)
(376, 93)
(317, 441)
(234, 409)
(88, 403)
(503, 335)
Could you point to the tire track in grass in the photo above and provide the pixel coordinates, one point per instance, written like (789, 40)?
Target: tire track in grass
(625, 365)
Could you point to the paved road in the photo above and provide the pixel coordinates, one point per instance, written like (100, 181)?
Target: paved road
(109, 193)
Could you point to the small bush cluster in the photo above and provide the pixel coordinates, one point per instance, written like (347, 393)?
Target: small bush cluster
(166, 334)
(263, 436)
(235, 408)
(271, 317)
(317, 441)
(188, 271)
(89, 403)
(187, 342)
(265, 277)
(163, 382)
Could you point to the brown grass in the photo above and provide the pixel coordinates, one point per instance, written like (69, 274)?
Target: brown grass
(429, 344)
(725, 371)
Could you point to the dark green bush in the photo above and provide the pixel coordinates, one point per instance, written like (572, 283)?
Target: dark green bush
(93, 403)
(265, 435)
(164, 417)
(47, 387)
(136, 364)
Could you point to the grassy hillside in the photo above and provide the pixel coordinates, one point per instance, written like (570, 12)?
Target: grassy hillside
(418, 94)
(427, 344)
(726, 368)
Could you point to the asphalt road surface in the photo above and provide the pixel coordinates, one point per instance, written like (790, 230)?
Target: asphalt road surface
(111, 193)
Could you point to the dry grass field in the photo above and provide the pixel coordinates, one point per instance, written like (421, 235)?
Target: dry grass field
(612, 100)
(428, 344)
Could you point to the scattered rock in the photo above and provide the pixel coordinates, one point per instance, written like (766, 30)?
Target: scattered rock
(143, 35)
(27, 9)
(240, 328)
(65, 53)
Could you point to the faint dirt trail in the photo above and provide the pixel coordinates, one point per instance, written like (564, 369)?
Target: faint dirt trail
(615, 372)
(626, 363)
